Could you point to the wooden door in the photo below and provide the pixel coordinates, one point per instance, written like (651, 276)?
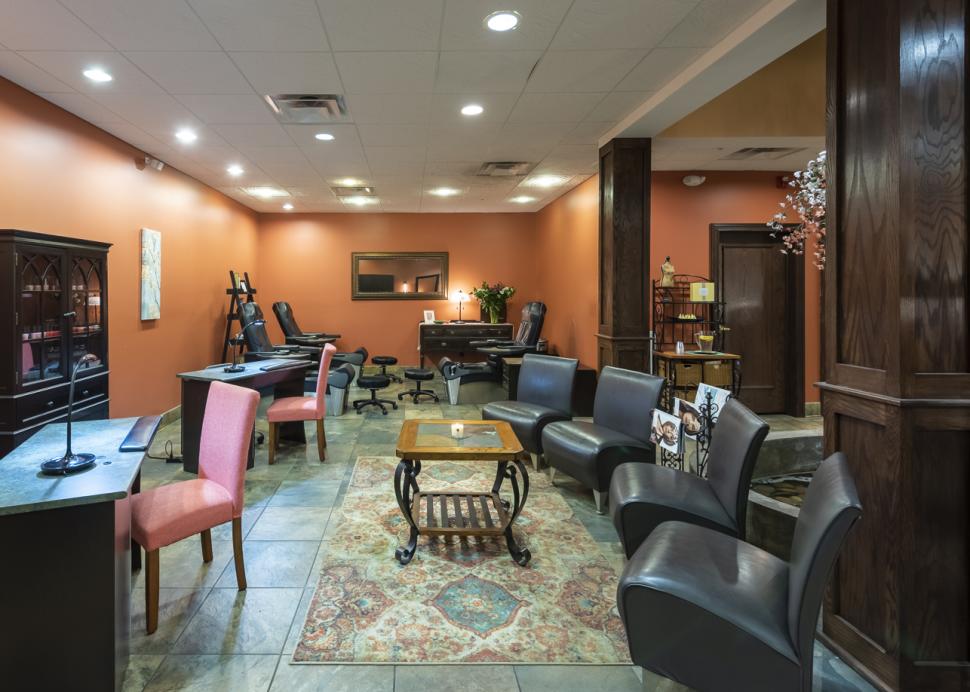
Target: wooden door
(763, 292)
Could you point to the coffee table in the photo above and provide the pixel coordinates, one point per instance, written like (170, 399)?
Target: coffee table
(436, 513)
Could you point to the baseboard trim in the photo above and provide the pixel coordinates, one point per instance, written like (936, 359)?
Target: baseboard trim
(172, 415)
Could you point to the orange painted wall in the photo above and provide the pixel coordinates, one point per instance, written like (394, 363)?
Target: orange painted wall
(61, 175)
(306, 259)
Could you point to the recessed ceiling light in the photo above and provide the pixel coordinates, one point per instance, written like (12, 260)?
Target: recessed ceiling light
(96, 74)
(267, 192)
(546, 180)
(523, 199)
(358, 200)
(472, 109)
(186, 136)
(324, 136)
(288, 207)
(503, 20)
(444, 191)
(349, 182)
(235, 170)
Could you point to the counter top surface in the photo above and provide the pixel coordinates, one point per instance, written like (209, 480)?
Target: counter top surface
(23, 488)
(251, 369)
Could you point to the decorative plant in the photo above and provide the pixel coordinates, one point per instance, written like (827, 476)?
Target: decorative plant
(807, 203)
(493, 298)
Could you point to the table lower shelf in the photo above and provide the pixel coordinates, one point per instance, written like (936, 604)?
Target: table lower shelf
(460, 514)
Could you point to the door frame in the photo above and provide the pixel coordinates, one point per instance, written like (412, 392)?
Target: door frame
(794, 307)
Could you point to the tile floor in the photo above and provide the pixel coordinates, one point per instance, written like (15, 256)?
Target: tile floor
(212, 637)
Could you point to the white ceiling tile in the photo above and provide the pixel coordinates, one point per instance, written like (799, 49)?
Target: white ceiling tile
(388, 108)
(541, 108)
(380, 25)
(464, 25)
(225, 109)
(293, 173)
(154, 113)
(533, 134)
(483, 72)
(280, 25)
(84, 107)
(289, 72)
(617, 105)
(589, 70)
(138, 138)
(446, 108)
(711, 21)
(405, 154)
(144, 24)
(451, 169)
(345, 135)
(192, 72)
(68, 67)
(29, 76)
(387, 72)
(244, 136)
(393, 134)
(44, 25)
(660, 65)
(344, 167)
(273, 155)
(598, 24)
(587, 133)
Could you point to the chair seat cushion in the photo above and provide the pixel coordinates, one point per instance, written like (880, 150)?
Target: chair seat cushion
(527, 420)
(166, 514)
(373, 381)
(643, 496)
(589, 452)
(292, 408)
(696, 580)
(418, 374)
(384, 360)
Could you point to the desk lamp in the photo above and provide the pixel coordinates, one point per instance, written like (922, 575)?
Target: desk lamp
(70, 462)
(238, 340)
(461, 297)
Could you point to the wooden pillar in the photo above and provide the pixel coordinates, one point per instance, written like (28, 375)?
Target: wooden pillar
(624, 273)
(897, 347)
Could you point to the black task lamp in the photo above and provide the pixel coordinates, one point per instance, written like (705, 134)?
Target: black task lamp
(71, 462)
(236, 367)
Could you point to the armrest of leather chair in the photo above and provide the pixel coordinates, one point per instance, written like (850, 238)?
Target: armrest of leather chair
(307, 340)
(515, 351)
(492, 342)
(269, 355)
(320, 335)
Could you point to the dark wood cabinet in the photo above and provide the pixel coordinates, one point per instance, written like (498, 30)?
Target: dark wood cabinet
(44, 278)
(451, 337)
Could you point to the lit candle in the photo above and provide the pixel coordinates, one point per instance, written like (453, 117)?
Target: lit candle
(457, 430)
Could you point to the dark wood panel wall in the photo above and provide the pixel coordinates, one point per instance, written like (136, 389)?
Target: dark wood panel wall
(897, 337)
(624, 274)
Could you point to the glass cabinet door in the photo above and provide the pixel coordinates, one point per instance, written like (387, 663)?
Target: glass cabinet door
(88, 333)
(40, 316)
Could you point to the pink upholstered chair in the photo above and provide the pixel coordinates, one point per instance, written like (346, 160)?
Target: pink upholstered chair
(166, 514)
(303, 408)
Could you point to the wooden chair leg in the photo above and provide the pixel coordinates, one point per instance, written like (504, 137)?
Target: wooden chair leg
(206, 545)
(237, 553)
(274, 431)
(151, 590)
(321, 440)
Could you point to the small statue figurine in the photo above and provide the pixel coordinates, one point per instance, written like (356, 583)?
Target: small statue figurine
(666, 274)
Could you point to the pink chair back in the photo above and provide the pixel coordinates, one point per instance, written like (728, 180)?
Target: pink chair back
(322, 376)
(227, 430)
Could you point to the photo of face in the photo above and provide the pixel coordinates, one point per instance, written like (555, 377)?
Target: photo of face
(689, 417)
(665, 431)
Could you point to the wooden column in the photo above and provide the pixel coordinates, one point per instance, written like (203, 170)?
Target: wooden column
(624, 309)
(897, 347)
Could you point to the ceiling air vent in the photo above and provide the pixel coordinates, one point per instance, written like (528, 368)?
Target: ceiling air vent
(504, 169)
(363, 191)
(308, 109)
(761, 153)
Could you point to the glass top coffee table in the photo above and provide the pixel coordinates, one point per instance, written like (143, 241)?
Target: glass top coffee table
(465, 513)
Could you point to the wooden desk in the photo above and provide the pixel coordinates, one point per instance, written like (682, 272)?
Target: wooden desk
(286, 381)
(584, 390)
(66, 578)
(450, 337)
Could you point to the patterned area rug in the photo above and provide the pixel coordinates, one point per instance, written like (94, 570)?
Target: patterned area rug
(460, 600)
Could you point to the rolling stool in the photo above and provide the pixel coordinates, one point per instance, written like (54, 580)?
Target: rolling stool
(384, 361)
(373, 383)
(419, 375)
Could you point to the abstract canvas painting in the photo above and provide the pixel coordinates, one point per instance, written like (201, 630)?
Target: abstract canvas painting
(151, 274)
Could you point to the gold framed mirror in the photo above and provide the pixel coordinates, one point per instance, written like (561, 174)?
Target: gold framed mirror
(399, 276)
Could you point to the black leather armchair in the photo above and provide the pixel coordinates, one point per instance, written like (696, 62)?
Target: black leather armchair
(292, 331)
(712, 612)
(643, 496)
(258, 344)
(544, 395)
(619, 433)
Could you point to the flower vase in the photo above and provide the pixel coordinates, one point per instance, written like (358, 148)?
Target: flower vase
(494, 312)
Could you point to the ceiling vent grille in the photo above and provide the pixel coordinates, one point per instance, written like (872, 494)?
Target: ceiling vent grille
(761, 153)
(308, 109)
(504, 169)
(362, 191)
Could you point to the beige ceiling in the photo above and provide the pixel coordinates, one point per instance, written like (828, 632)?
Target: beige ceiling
(550, 89)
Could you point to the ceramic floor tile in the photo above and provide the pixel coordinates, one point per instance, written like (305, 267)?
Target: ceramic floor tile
(308, 492)
(258, 493)
(291, 524)
(577, 678)
(180, 564)
(175, 610)
(461, 678)
(356, 678)
(140, 670)
(273, 563)
(254, 621)
(214, 674)
(250, 515)
(299, 618)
